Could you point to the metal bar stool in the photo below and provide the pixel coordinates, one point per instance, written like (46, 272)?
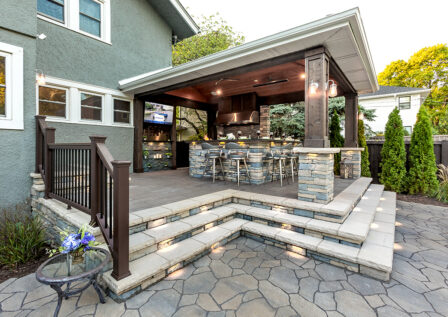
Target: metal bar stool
(278, 164)
(293, 161)
(213, 153)
(238, 154)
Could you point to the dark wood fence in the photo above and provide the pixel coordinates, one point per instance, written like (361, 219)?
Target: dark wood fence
(375, 146)
(85, 176)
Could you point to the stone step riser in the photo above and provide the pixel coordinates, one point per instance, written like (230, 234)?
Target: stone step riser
(246, 212)
(138, 253)
(336, 211)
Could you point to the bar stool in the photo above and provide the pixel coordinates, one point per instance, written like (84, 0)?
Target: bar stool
(238, 154)
(278, 164)
(213, 153)
(293, 160)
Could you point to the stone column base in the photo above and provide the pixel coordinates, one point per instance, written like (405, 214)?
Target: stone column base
(353, 154)
(316, 174)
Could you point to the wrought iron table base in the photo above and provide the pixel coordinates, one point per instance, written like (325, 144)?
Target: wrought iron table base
(67, 293)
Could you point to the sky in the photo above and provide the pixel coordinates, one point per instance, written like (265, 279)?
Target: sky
(395, 29)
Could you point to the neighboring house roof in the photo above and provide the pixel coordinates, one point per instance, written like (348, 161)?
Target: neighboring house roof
(395, 90)
(177, 17)
(341, 34)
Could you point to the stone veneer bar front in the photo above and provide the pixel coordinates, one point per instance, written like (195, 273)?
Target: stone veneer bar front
(257, 165)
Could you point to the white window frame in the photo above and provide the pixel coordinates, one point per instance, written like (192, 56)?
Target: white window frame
(67, 102)
(73, 109)
(101, 3)
(48, 18)
(399, 103)
(71, 19)
(13, 118)
(131, 113)
(102, 106)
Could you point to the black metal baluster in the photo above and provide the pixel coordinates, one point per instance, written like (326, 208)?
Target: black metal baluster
(110, 206)
(104, 188)
(78, 180)
(90, 178)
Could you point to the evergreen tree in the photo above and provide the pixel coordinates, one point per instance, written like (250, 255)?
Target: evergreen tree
(422, 162)
(336, 140)
(393, 154)
(365, 164)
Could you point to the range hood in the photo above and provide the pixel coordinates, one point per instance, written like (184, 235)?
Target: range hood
(243, 117)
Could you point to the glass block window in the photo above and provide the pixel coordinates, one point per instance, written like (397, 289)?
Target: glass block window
(91, 107)
(90, 17)
(404, 102)
(2, 85)
(122, 111)
(52, 101)
(51, 8)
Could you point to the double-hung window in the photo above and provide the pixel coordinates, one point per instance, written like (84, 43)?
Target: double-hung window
(122, 111)
(91, 107)
(90, 17)
(52, 101)
(53, 9)
(3, 85)
(404, 102)
(11, 87)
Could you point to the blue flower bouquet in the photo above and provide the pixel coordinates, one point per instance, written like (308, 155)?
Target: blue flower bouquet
(75, 244)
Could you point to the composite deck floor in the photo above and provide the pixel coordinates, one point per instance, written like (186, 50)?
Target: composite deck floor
(163, 187)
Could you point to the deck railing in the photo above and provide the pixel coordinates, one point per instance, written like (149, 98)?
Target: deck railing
(85, 176)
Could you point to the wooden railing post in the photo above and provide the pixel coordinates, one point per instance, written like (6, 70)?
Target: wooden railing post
(38, 143)
(49, 139)
(94, 177)
(121, 219)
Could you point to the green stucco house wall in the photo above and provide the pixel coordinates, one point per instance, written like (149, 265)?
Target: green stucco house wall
(82, 53)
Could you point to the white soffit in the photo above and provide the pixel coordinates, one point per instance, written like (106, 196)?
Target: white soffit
(342, 34)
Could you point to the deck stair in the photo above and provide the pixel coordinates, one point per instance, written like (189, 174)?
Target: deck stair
(168, 237)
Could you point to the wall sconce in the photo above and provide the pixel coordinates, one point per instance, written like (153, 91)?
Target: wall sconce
(302, 75)
(313, 87)
(333, 92)
(40, 77)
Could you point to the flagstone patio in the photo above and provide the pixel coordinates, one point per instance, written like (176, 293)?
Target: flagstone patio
(247, 278)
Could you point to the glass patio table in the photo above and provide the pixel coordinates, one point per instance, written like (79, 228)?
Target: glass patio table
(76, 274)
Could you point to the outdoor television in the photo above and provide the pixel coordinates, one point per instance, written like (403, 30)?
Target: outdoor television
(158, 114)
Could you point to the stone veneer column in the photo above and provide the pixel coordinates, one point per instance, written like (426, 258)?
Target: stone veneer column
(353, 154)
(316, 174)
(265, 122)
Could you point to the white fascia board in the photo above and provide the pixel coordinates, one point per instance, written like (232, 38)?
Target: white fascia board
(185, 15)
(424, 93)
(349, 18)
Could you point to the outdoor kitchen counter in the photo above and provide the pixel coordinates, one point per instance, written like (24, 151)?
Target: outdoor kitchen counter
(258, 169)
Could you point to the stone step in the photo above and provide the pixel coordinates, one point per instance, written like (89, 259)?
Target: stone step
(353, 231)
(335, 211)
(374, 258)
(159, 237)
(153, 267)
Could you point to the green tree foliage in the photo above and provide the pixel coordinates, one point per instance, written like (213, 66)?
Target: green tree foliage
(288, 119)
(215, 36)
(422, 162)
(336, 140)
(393, 154)
(365, 164)
(428, 68)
